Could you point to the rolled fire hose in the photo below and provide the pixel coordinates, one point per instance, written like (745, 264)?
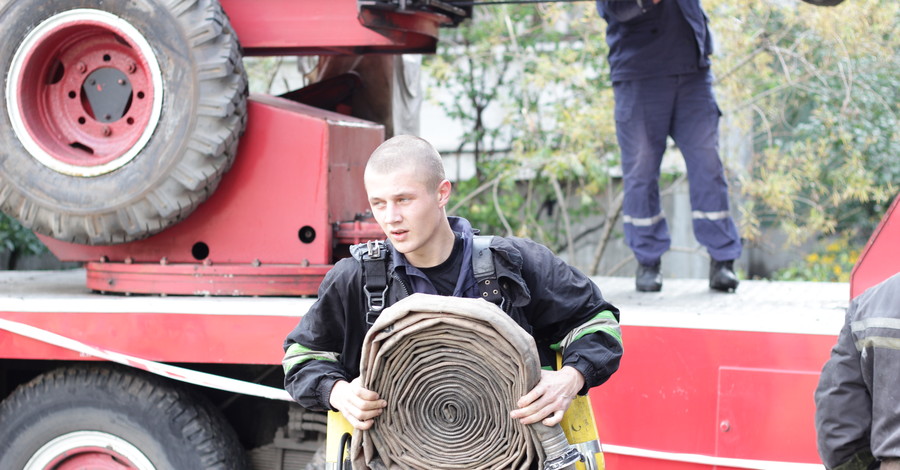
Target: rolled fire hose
(451, 370)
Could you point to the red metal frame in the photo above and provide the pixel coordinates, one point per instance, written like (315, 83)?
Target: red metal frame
(161, 337)
(313, 27)
(880, 259)
(729, 394)
(296, 180)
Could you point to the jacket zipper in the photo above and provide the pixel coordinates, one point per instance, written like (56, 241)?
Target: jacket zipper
(405, 289)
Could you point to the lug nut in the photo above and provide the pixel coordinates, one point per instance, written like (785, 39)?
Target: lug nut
(132, 67)
(107, 131)
(81, 67)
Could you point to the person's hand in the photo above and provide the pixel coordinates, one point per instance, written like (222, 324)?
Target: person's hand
(550, 398)
(358, 405)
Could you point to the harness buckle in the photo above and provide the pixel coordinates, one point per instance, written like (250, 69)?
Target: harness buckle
(374, 249)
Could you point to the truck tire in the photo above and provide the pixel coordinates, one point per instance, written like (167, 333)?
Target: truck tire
(108, 417)
(119, 118)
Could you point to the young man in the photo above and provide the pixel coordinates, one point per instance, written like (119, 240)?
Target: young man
(432, 253)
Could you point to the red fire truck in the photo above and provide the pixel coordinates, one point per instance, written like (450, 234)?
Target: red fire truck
(129, 143)
(205, 218)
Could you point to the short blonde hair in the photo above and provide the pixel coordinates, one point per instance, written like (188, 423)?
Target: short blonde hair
(404, 151)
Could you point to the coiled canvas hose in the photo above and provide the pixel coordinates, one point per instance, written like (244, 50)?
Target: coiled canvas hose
(451, 370)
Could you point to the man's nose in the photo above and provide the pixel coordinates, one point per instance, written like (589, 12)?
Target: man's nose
(394, 214)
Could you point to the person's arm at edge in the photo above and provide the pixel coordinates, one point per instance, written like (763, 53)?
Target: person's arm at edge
(843, 405)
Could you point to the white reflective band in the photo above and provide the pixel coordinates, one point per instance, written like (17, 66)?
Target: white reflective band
(643, 221)
(710, 215)
(880, 342)
(710, 460)
(875, 322)
(158, 368)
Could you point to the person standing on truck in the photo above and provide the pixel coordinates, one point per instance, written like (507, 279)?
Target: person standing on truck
(858, 397)
(659, 63)
(429, 252)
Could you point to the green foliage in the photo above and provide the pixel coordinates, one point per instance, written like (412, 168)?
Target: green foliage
(831, 263)
(550, 154)
(821, 85)
(15, 238)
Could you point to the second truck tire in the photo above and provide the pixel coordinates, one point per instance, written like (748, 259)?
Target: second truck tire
(109, 417)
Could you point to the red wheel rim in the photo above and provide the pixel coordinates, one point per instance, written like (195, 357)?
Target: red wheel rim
(86, 92)
(94, 458)
(79, 450)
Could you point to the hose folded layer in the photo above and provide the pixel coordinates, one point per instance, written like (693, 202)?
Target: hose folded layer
(451, 370)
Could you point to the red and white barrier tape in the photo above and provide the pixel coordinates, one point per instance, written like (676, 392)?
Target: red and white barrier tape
(158, 368)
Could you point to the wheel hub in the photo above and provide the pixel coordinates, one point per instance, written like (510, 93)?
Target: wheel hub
(88, 449)
(85, 92)
(108, 93)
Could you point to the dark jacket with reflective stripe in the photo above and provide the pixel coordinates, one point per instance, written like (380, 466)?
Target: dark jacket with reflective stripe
(548, 299)
(671, 37)
(858, 397)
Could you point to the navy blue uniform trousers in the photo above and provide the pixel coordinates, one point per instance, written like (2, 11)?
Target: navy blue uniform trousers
(683, 107)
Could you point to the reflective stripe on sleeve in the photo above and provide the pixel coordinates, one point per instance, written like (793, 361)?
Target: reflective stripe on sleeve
(880, 342)
(603, 322)
(875, 322)
(297, 354)
(887, 338)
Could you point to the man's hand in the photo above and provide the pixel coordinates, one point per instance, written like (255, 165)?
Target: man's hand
(358, 405)
(550, 398)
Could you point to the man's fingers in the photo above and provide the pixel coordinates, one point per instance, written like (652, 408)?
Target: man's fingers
(554, 419)
(362, 425)
(367, 394)
(537, 415)
(362, 413)
(535, 411)
(366, 405)
(530, 397)
(358, 404)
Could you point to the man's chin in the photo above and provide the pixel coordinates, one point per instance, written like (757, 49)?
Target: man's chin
(401, 247)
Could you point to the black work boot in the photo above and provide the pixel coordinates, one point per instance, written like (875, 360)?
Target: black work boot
(721, 276)
(648, 278)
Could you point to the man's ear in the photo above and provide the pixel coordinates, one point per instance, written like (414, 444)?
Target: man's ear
(444, 190)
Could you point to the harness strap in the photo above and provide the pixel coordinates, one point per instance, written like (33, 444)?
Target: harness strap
(373, 257)
(374, 264)
(485, 274)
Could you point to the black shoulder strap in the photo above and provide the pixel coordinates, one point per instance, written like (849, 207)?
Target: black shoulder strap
(373, 256)
(483, 268)
(374, 263)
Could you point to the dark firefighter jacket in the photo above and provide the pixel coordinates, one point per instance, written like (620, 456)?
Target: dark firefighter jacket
(858, 397)
(658, 39)
(557, 304)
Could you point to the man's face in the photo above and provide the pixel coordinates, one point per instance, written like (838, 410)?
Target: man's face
(408, 212)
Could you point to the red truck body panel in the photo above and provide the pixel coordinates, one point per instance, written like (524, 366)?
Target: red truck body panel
(312, 27)
(880, 259)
